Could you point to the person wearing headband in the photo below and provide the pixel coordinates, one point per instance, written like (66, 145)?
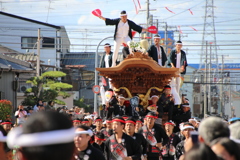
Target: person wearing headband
(166, 102)
(123, 32)
(154, 107)
(139, 124)
(120, 108)
(76, 122)
(178, 59)
(99, 140)
(185, 129)
(5, 152)
(183, 115)
(82, 142)
(169, 148)
(108, 130)
(121, 145)
(45, 135)
(130, 125)
(156, 51)
(7, 125)
(153, 131)
(99, 125)
(106, 60)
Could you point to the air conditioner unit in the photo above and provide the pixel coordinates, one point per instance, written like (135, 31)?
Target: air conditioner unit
(24, 87)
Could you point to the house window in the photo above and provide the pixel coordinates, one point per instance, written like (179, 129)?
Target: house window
(48, 42)
(28, 42)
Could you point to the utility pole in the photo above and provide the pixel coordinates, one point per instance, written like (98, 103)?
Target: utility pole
(166, 37)
(147, 10)
(209, 81)
(38, 53)
(221, 90)
(205, 86)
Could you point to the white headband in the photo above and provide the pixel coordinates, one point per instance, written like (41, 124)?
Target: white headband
(121, 97)
(157, 37)
(178, 43)
(107, 46)
(185, 105)
(123, 15)
(17, 138)
(154, 96)
(2, 137)
(186, 127)
(89, 132)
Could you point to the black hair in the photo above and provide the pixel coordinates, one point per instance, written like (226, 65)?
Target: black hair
(120, 118)
(100, 135)
(83, 127)
(152, 114)
(50, 102)
(179, 41)
(230, 146)
(200, 151)
(123, 12)
(47, 121)
(107, 44)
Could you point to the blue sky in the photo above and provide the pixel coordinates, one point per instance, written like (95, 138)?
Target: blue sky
(84, 28)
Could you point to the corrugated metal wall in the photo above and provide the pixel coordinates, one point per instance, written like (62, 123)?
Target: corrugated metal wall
(6, 87)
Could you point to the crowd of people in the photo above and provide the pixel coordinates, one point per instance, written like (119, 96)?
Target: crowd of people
(72, 134)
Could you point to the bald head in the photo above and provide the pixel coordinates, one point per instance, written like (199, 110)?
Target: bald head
(212, 128)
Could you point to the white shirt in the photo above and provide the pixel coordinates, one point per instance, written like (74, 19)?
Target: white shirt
(106, 61)
(159, 55)
(21, 116)
(122, 30)
(178, 62)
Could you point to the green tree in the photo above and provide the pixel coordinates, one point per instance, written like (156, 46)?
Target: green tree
(47, 88)
(80, 103)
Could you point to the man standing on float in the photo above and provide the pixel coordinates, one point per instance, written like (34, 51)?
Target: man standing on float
(178, 59)
(123, 32)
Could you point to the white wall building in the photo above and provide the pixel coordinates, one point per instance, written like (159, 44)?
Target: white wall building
(20, 34)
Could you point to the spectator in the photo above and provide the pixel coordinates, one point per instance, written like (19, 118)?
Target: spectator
(44, 136)
(50, 106)
(35, 108)
(20, 114)
(212, 128)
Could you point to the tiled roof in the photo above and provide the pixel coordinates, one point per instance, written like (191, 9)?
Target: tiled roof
(8, 63)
